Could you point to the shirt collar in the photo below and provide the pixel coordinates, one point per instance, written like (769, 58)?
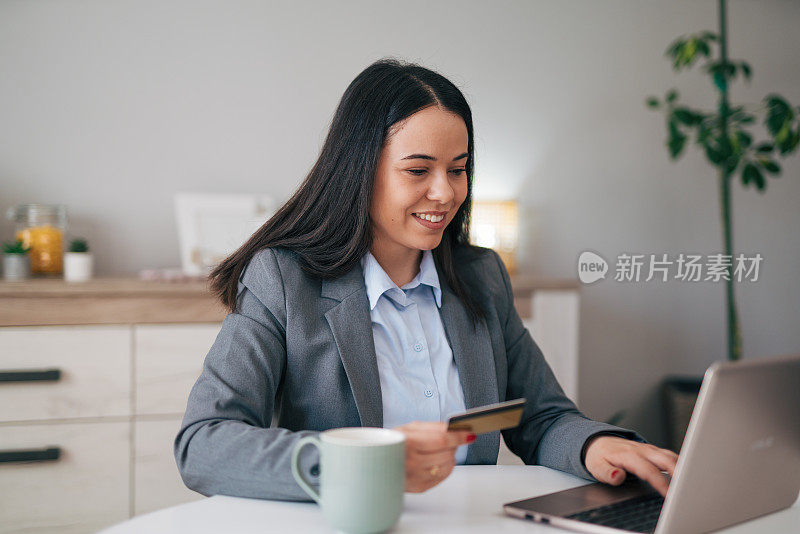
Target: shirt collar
(378, 282)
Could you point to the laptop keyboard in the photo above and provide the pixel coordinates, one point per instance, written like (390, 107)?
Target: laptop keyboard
(639, 514)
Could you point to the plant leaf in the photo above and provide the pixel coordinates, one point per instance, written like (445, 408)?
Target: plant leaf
(652, 102)
(789, 141)
(729, 69)
(764, 148)
(782, 137)
(713, 154)
(744, 118)
(769, 165)
(744, 138)
(676, 140)
(672, 95)
(752, 174)
(778, 114)
(675, 47)
(687, 116)
(746, 70)
(703, 132)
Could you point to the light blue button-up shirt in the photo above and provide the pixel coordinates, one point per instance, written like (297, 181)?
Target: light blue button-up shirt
(419, 378)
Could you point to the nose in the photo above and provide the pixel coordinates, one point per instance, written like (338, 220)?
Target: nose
(440, 189)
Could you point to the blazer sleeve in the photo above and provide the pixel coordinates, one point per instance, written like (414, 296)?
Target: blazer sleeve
(553, 432)
(225, 445)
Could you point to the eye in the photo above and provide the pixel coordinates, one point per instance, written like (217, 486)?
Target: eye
(458, 172)
(417, 172)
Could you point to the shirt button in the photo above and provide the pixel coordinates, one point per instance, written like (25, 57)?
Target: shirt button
(418, 346)
(428, 393)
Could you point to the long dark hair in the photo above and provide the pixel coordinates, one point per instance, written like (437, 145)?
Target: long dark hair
(326, 222)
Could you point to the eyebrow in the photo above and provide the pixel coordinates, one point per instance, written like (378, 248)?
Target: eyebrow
(425, 156)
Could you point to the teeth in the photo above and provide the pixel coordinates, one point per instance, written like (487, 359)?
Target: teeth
(429, 217)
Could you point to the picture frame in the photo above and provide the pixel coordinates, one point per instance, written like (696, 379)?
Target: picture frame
(213, 225)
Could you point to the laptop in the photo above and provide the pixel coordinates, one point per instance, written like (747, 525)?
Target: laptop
(740, 459)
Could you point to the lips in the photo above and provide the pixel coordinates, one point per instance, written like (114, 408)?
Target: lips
(430, 224)
(432, 216)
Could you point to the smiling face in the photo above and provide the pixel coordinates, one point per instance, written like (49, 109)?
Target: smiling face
(420, 183)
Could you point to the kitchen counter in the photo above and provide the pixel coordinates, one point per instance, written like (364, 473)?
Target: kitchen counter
(123, 300)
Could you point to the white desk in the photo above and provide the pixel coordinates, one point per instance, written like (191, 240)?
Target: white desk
(470, 500)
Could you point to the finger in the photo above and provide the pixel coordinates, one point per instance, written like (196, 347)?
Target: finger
(608, 473)
(425, 426)
(644, 469)
(442, 470)
(423, 479)
(425, 462)
(665, 462)
(427, 442)
(665, 452)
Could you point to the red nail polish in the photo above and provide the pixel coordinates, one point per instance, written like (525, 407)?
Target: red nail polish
(471, 438)
(614, 473)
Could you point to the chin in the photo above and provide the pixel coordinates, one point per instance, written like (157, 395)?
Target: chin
(428, 244)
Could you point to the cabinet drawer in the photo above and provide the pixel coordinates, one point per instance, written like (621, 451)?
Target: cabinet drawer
(94, 365)
(158, 483)
(84, 490)
(168, 360)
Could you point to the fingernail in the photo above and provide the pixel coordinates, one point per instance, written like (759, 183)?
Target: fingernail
(614, 473)
(471, 438)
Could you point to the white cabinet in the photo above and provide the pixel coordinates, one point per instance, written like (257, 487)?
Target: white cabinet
(157, 483)
(83, 491)
(111, 407)
(94, 366)
(167, 361)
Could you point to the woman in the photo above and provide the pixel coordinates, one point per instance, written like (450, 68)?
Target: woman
(361, 303)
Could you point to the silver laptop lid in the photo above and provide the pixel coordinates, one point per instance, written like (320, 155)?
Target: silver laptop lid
(741, 455)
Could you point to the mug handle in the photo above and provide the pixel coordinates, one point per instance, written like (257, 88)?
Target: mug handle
(298, 476)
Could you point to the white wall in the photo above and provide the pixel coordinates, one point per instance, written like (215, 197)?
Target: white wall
(111, 107)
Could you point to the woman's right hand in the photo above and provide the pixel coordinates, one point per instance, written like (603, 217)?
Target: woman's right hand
(430, 453)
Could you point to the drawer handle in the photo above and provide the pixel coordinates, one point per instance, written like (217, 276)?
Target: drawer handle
(30, 455)
(31, 375)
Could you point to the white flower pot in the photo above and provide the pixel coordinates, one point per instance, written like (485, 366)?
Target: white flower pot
(16, 266)
(78, 266)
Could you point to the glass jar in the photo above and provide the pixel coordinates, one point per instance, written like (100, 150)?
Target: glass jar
(42, 228)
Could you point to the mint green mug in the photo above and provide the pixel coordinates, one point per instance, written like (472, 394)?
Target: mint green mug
(362, 477)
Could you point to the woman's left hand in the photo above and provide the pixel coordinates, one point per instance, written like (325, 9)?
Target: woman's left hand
(609, 458)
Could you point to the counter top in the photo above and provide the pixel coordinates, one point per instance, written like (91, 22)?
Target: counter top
(121, 300)
(111, 286)
(118, 286)
(129, 300)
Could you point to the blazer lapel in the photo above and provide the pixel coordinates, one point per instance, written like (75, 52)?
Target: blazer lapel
(472, 350)
(351, 324)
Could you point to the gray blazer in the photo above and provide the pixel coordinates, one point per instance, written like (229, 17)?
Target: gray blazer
(301, 349)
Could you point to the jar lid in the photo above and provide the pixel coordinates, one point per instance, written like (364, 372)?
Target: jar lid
(38, 214)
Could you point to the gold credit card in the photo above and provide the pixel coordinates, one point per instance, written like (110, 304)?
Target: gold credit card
(488, 418)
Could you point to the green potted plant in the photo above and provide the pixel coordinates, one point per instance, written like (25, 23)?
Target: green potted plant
(16, 262)
(723, 136)
(78, 262)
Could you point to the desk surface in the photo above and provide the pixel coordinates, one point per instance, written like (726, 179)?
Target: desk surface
(470, 500)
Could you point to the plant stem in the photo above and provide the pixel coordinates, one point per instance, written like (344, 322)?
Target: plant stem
(734, 335)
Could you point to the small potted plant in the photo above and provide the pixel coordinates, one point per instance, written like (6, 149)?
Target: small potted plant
(78, 262)
(16, 262)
